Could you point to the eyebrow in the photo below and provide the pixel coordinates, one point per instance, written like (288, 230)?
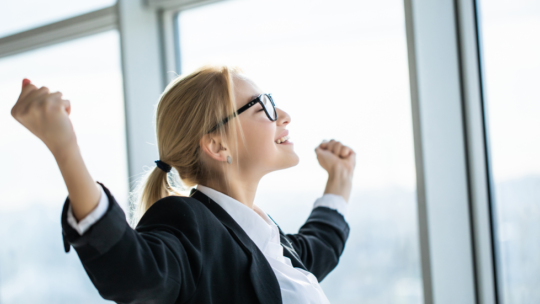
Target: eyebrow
(253, 97)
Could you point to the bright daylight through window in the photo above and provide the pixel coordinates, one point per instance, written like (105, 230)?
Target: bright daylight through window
(511, 58)
(90, 77)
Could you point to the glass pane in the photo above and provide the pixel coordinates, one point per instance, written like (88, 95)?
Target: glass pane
(33, 265)
(21, 15)
(511, 59)
(268, 105)
(339, 69)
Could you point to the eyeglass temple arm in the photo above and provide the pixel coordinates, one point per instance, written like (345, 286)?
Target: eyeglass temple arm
(224, 121)
(242, 109)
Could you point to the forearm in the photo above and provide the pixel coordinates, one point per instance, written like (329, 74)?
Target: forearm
(340, 183)
(83, 191)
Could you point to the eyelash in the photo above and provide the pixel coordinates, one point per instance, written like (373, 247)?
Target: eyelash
(260, 110)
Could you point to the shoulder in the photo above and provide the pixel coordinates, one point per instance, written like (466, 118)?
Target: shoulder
(173, 211)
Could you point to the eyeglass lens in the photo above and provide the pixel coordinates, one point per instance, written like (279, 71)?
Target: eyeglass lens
(268, 106)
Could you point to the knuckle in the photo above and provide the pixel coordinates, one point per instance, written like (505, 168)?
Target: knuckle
(14, 111)
(30, 87)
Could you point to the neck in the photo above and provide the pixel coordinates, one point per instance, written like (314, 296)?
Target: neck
(241, 189)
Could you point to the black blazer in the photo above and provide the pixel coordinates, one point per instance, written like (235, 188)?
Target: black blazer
(190, 250)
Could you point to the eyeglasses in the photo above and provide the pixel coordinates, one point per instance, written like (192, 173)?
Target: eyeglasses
(267, 104)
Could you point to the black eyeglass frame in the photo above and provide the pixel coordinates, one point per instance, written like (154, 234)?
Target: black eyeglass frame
(247, 106)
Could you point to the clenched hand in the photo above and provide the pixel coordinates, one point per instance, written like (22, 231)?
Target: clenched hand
(46, 115)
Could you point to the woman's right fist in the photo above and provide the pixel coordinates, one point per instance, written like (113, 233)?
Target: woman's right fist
(46, 115)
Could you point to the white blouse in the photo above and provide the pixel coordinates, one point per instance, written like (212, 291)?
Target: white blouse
(297, 285)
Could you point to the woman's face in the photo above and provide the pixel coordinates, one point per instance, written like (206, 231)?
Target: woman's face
(261, 154)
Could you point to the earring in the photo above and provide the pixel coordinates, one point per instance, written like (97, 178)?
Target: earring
(229, 159)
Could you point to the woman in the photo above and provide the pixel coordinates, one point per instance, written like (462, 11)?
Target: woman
(215, 246)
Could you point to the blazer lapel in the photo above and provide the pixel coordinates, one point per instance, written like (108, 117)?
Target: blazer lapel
(289, 249)
(262, 276)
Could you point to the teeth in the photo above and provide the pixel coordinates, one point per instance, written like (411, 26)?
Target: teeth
(284, 138)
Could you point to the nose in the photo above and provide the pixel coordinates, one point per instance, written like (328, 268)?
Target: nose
(283, 117)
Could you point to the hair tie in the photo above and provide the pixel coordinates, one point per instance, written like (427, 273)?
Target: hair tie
(163, 166)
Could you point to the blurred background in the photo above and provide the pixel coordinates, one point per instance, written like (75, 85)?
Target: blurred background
(341, 70)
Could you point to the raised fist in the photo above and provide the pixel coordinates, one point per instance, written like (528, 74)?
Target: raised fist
(336, 158)
(46, 115)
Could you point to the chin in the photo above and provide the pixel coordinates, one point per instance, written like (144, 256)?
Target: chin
(289, 163)
(294, 160)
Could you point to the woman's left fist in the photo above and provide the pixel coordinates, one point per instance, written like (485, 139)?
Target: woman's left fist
(336, 158)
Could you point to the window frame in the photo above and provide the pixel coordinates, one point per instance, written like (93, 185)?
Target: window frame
(455, 216)
(451, 149)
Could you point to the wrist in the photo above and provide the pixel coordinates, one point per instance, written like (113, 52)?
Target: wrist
(65, 153)
(339, 174)
(339, 184)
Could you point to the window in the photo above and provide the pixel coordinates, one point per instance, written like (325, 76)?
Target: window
(511, 48)
(33, 190)
(21, 15)
(348, 61)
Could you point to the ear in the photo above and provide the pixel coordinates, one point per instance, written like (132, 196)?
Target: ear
(214, 147)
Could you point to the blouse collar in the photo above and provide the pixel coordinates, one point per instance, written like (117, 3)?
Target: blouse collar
(255, 222)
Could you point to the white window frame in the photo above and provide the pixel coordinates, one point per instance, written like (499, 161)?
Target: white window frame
(451, 148)
(449, 124)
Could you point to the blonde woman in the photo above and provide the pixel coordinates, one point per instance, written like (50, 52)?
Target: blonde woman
(222, 134)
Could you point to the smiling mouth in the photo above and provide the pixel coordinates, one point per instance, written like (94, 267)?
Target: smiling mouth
(284, 139)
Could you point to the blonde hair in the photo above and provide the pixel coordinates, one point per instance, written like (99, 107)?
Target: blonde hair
(188, 108)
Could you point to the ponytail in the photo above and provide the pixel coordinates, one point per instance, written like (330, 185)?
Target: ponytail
(189, 106)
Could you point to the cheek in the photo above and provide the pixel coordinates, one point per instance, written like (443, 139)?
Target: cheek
(260, 139)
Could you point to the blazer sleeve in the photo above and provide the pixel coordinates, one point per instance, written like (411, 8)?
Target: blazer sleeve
(85, 223)
(157, 262)
(321, 240)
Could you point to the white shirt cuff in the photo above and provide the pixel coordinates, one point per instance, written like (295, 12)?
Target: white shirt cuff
(91, 218)
(333, 201)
